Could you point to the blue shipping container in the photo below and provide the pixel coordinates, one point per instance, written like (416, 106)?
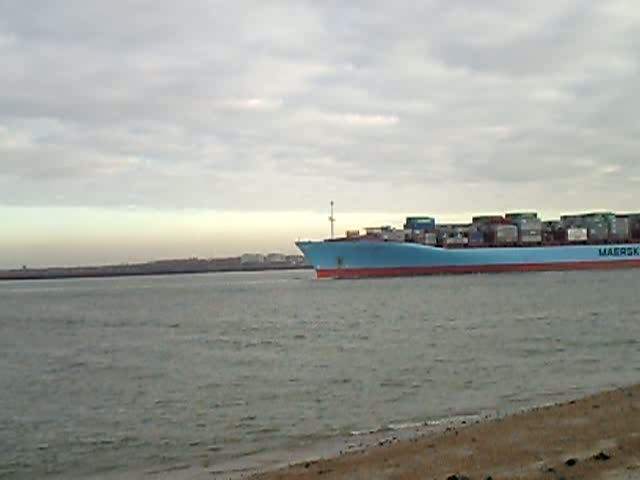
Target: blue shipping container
(420, 223)
(476, 237)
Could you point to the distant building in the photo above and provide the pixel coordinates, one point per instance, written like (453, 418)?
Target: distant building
(276, 258)
(295, 259)
(252, 258)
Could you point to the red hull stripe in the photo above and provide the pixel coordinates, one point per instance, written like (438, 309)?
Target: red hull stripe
(434, 270)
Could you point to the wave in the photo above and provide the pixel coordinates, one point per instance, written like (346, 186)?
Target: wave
(413, 424)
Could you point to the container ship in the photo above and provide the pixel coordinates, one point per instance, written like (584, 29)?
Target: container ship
(490, 243)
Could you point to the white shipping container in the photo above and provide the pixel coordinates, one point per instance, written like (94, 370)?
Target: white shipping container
(577, 234)
(430, 239)
(531, 238)
(506, 233)
(394, 236)
(456, 241)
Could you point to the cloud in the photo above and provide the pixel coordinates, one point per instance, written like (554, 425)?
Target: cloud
(256, 104)
(354, 119)
(27, 159)
(281, 105)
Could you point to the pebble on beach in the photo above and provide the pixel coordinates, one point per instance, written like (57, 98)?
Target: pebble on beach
(601, 456)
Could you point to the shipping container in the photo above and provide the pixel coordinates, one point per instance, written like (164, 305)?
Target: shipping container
(552, 224)
(577, 234)
(393, 235)
(423, 219)
(420, 223)
(561, 235)
(521, 215)
(581, 219)
(422, 228)
(529, 231)
(453, 227)
(529, 228)
(598, 223)
(530, 235)
(601, 215)
(595, 215)
(430, 239)
(476, 237)
(446, 231)
(353, 233)
(417, 236)
(458, 240)
(531, 238)
(634, 225)
(502, 234)
(551, 230)
(587, 219)
(528, 222)
(410, 234)
(619, 228)
(598, 233)
(572, 221)
(488, 219)
(373, 230)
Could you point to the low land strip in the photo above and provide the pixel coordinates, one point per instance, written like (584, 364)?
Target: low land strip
(163, 267)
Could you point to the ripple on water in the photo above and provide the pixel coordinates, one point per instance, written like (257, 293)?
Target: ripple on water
(232, 364)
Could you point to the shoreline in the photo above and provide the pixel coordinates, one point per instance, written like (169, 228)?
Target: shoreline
(56, 274)
(570, 439)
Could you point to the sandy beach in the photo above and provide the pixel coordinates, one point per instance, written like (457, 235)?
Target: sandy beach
(596, 437)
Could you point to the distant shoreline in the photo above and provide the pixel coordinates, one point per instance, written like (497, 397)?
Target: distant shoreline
(169, 267)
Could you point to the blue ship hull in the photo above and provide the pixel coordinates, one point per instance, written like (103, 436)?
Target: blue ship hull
(365, 258)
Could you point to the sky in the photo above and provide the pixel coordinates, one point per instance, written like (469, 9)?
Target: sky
(136, 130)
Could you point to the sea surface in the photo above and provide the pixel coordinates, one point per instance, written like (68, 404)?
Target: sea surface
(138, 377)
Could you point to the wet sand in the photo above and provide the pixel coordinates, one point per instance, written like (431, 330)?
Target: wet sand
(596, 437)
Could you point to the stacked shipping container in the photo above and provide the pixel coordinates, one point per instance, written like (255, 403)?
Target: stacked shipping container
(619, 228)
(529, 227)
(634, 226)
(514, 229)
(495, 229)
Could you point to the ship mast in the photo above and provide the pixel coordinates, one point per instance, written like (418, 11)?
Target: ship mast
(332, 219)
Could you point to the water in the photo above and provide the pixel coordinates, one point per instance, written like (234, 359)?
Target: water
(114, 376)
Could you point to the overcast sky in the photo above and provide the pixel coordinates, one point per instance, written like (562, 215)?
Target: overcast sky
(150, 129)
